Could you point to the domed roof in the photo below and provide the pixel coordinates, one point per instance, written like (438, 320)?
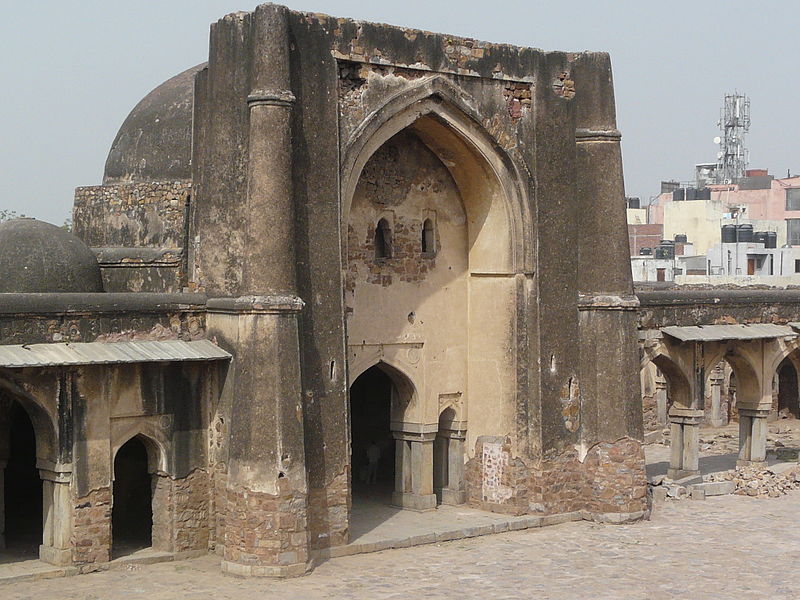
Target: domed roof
(39, 257)
(155, 141)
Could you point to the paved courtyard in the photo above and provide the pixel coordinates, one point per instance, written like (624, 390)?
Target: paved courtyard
(723, 547)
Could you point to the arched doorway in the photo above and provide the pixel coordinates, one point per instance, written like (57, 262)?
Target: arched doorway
(22, 496)
(132, 510)
(372, 447)
(788, 389)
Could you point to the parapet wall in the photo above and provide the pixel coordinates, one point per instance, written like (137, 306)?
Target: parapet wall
(132, 215)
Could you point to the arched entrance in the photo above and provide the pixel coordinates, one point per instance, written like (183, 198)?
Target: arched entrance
(132, 511)
(22, 497)
(372, 453)
(788, 389)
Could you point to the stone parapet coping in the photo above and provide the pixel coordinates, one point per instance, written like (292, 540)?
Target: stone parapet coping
(98, 303)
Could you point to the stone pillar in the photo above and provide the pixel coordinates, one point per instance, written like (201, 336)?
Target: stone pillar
(684, 442)
(57, 514)
(414, 471)
(661, 400)
(752, 437)
(266, 531)
(717, 418)
(454, 491)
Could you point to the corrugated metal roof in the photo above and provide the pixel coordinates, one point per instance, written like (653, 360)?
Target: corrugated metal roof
(100, 353)
(713, 333)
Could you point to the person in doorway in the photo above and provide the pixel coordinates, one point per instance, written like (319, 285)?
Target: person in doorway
(373, 458)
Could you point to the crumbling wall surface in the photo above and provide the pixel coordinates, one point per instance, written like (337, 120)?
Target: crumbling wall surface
(685, 307)
(181, 512)
(328, 513)
(44, 318)
(91, 533)
(132, 215)
(266, 529)
(608, 483)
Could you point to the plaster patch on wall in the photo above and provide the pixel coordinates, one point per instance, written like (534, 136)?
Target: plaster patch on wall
(494, 462)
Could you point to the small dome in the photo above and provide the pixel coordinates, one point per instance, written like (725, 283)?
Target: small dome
(39, 257)
(155, 141)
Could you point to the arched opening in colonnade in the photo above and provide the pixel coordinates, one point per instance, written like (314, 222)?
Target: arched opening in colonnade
(21, 508)
(788, 393)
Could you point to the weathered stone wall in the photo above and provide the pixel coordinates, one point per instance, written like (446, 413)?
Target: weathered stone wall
(683, 307)
(266, 529)
(328, 513)
(132, 215)
(181, 512)
(91, 533)
(44, 318)
(609, 480)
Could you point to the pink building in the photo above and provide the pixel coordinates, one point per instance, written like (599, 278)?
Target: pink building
(757, 197)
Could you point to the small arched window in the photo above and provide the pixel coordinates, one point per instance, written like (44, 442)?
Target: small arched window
(428, 238)
(383, 240)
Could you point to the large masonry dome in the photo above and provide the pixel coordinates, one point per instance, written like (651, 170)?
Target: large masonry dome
(155, 141)
(39, 257)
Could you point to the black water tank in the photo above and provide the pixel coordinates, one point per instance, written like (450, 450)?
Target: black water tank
(680, 238)
(760, 237)
(744, 233)
(645, 251)
(665, 251)
(678, 195)
(729, 234)
(772, 239)
(666, 243)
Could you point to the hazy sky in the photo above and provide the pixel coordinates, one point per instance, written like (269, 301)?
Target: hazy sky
(73, 69)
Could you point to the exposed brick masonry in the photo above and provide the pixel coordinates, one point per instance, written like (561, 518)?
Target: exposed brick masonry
(91, 533)
(610, 479)
(266, 529)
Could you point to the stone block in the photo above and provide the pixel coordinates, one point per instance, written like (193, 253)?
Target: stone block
(714, 488)
(698, 494)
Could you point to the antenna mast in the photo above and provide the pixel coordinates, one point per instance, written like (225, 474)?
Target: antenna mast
(734, 123)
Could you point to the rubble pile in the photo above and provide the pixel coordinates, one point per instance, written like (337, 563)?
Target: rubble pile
(759, 482)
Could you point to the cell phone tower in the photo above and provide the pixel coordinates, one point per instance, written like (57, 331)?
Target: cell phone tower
(734, 123)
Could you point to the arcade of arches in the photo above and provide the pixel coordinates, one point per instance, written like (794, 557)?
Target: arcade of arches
(714, 383)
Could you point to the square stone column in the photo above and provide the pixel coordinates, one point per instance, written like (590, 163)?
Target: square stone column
(414, 471)
(752, 437)
(717, 418)
(661, 401)
(453, 491)
(684, 442)
(57, 514)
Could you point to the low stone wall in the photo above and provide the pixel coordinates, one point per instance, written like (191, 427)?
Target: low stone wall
(610, 479)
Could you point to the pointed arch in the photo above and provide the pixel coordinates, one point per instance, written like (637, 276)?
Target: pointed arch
(44, 423)
(444, 119)
(156, 449)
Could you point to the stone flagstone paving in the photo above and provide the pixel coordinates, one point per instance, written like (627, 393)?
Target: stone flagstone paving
(723, 547)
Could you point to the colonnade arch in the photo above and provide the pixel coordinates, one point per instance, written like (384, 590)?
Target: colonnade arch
(692, 372)
(29, 456)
